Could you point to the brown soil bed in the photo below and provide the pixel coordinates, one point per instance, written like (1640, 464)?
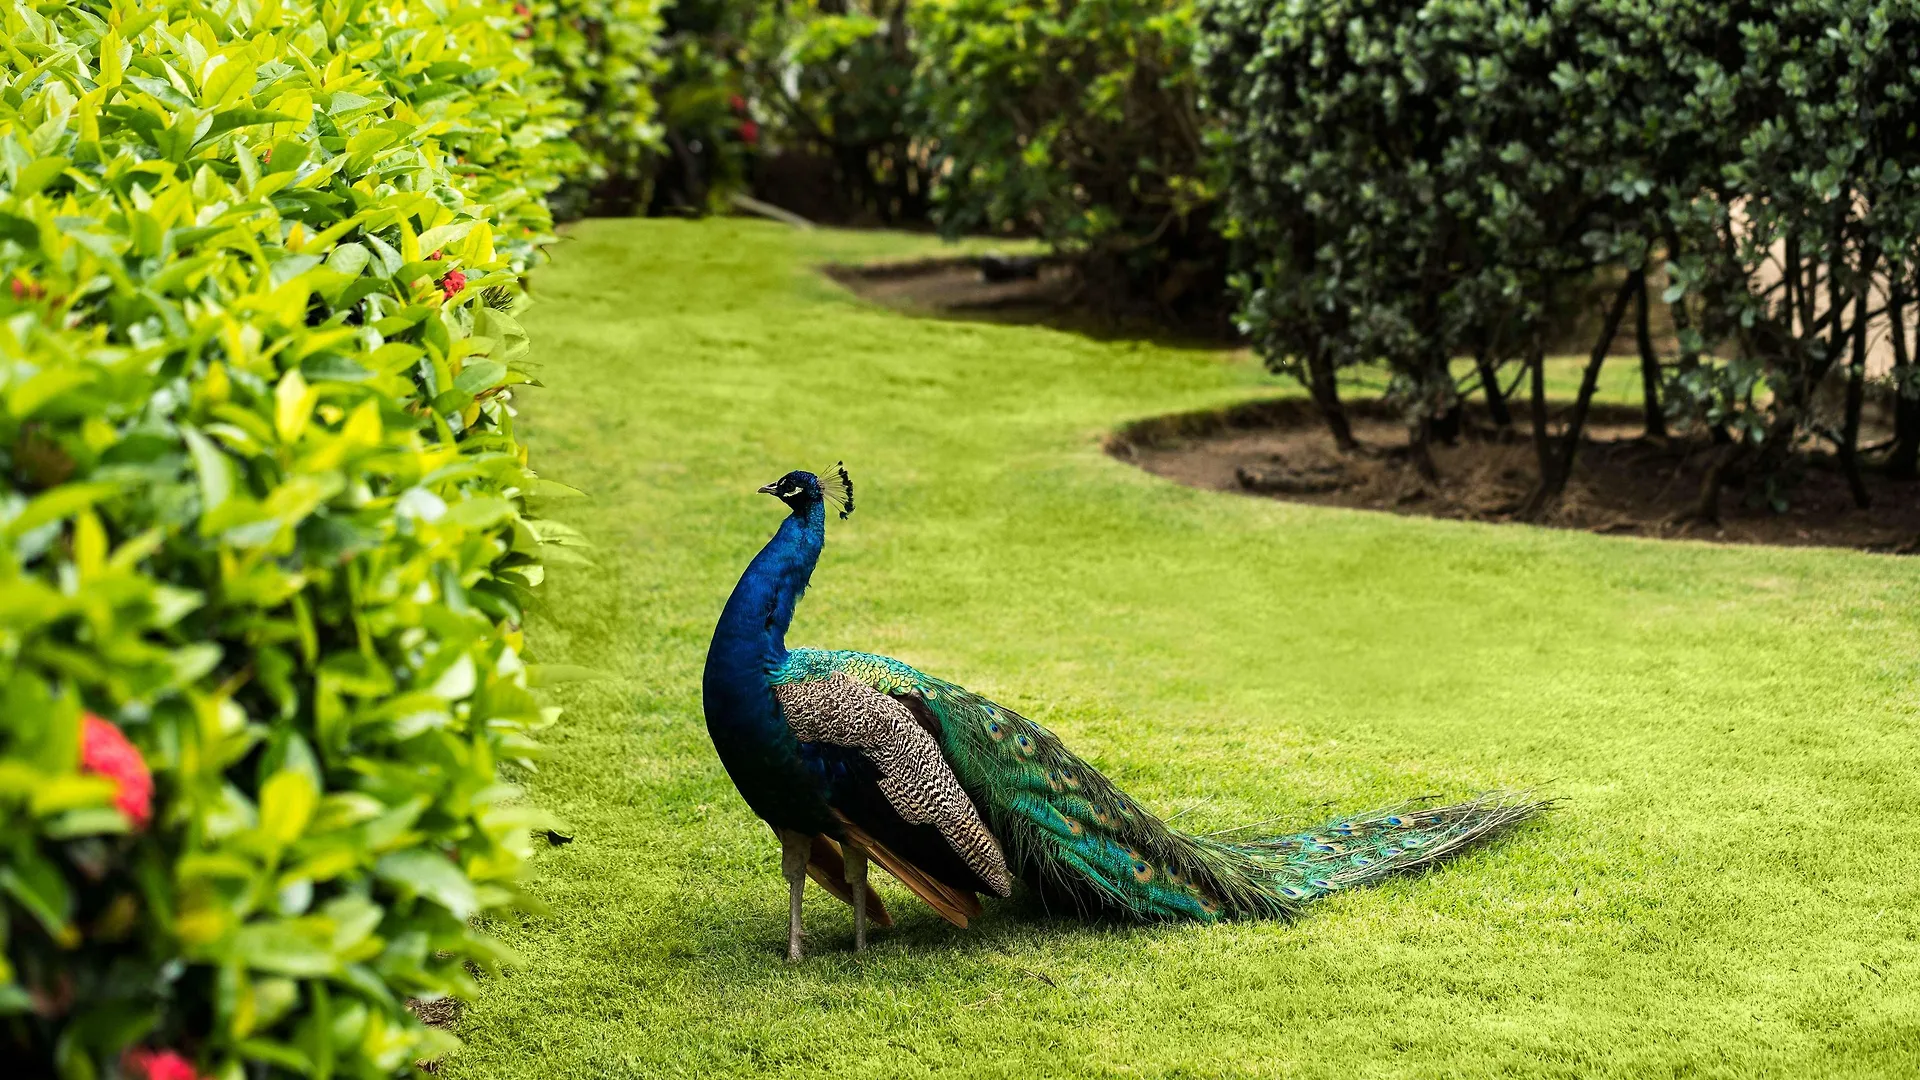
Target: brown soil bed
(1622, 483)
(959, 285)
(1047, 292)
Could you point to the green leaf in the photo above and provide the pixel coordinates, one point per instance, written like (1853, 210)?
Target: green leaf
(36, 884)
(213, 468)
(20, 230)
(37, 176)
(287, 800)
(553, 489)
(55, 505)
(232, 119)
(298, 947)
(478, 513)
(430, 875)
(349, 258)
(478, 375)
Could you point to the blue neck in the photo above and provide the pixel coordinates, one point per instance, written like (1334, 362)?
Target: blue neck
(758, 613)
(750, 642)
(751, 638)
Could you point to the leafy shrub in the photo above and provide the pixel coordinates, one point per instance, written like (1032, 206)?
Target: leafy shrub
(708, 133)
(1077, 120)
(834, 80)
(263, 519)
(606, 55)
(1800, 189)
(1415, 180)
(1408, 184)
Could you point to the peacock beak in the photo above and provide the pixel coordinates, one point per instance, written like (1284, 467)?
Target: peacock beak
(771, 489)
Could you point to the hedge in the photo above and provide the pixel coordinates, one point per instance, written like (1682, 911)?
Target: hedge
(264, 542)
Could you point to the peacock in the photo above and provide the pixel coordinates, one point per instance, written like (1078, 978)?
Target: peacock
(853, 757)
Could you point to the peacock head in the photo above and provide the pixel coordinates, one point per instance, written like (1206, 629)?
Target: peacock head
(802, 491)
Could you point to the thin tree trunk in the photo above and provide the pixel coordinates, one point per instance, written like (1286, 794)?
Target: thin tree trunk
(1326, 394)
(1490, 383)
(1554, 479)
(1420, 437)
(1420, 447)
(1444, 426)
(1649, 366)
(1791, 288)
(1707, 506)
(1904, 462)
(1856, 386)
(1537, 375)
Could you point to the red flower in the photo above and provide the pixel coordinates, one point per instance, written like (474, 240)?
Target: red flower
(157, 1065)
(523, 11)
(452, 282)
(106, 752)
(737, 103)
(749, 132)
(27, 290)
(437, 256)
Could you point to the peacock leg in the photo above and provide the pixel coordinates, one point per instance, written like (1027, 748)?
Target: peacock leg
(857, 882)
(795, 849)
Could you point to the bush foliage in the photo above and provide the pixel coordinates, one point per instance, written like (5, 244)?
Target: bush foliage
(1413, 180)
(264, 521)
(834, 79)
(605, 54)
(1078, 121)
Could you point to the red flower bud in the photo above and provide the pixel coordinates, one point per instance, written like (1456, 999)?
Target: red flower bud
(522, 10)
(105, 751)
(452, 282)
(157, 1065)
(266, 156)
(437, 256)
(737, 103)
(749, 132)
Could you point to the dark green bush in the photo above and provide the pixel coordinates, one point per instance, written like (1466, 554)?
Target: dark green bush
(1416, 181)
(1407, 185)
(1078, 121)
(1798, 189)
(263, 512)
(833, 80)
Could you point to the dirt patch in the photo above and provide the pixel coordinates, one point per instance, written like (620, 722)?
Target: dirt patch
(1010, 286)
(441, 1013)
(1020, 290)
(1622, 483)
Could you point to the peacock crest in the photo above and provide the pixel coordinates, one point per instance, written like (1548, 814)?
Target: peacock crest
(837, 487)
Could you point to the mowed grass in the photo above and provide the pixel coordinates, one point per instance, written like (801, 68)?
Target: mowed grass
(1730, 888)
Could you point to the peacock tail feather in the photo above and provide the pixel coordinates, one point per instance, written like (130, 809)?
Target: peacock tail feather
(1069, 832)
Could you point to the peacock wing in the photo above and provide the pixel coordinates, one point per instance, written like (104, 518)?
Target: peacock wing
(1062, 824)
(902, 762)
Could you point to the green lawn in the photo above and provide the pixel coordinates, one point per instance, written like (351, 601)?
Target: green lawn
(1732, 886)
